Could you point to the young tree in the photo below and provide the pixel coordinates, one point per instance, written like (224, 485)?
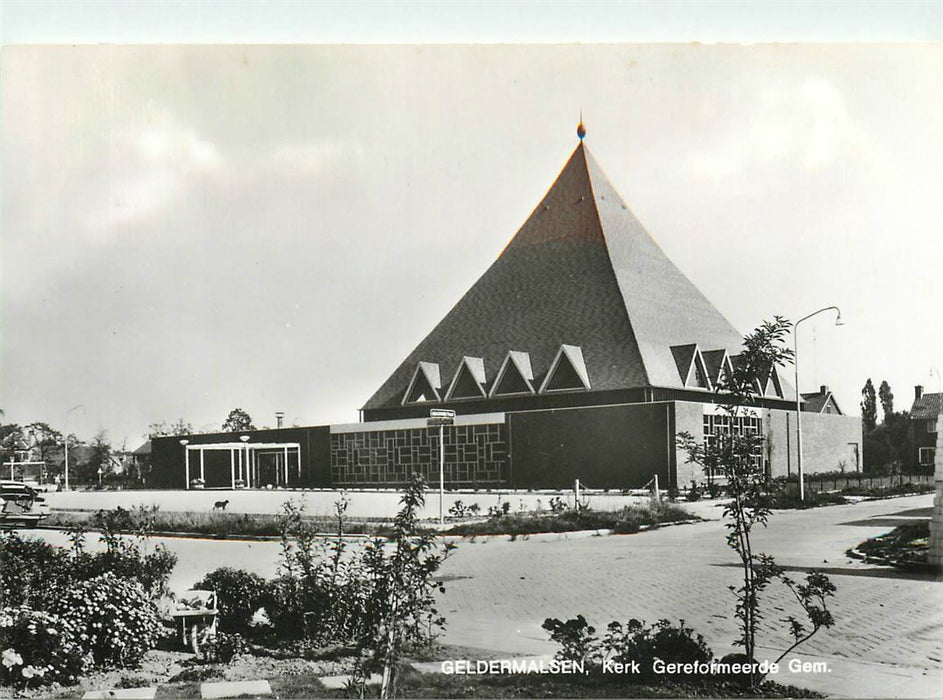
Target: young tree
(869, 411)
(100, 458)
(237, 420)
(887, 400)
(736, 454)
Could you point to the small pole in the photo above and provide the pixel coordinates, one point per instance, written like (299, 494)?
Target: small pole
(441, 473)
(656, 487)
(576, 488)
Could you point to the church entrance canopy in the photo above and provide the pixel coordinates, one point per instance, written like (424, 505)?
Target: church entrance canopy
(243, 464)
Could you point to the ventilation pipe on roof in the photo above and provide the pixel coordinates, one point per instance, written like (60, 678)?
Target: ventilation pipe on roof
(279, 418)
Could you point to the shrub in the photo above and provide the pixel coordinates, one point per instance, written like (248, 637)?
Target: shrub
(223, 647)
(37, 649)
(239, 594)
(113, 617)
(627, 643)
(576, 637)
(32, 572)
(635, 642)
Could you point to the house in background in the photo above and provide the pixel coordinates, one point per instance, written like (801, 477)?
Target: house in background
(821, 401)
(923, 427)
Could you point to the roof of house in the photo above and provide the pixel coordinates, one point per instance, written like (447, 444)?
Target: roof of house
(927, 406)
(816, 401)
(582, 271)
(144, 449)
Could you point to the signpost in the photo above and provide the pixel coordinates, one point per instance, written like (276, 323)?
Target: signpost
(441, 417)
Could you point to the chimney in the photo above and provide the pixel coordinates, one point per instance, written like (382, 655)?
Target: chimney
(823, 389)
(918, 392)
(279, 417)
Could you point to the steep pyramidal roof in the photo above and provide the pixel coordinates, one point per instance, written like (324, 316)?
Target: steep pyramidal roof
(581, 271)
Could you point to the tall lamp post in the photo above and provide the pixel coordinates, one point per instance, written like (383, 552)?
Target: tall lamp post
(65, 443)
(795, 357)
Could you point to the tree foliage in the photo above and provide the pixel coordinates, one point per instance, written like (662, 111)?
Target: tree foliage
(100, 458)
(45, 439)
(237, 420)
(869, 411)
(733, 454)
(163, 428)
(887, 399)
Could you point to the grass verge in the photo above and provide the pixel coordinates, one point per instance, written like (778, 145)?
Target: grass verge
(625, 521)
(216, 524)
(905, 547)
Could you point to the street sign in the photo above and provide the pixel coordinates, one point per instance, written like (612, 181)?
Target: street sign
(440, 417)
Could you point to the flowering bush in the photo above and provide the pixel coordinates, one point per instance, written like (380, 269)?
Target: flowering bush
(32, 571)
(37, 648)
(113, 617)
(35, 573)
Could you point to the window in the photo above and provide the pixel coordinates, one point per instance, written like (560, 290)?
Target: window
(931, 425)
(927, 455)
(719, 424)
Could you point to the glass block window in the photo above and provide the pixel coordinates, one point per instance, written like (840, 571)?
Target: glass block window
(724, 424)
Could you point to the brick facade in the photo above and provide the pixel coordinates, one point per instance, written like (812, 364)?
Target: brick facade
(475, 455)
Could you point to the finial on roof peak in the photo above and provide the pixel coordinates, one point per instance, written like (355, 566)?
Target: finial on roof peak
(580, 129)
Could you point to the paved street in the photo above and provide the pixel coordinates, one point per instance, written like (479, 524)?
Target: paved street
(887, 641)
(887, 622)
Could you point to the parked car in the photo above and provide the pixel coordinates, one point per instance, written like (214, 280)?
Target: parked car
(22, 505)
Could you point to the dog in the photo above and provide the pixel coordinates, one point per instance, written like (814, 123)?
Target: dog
(221, 505)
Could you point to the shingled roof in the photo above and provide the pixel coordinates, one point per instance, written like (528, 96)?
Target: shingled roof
(582, 271)
(926, 406)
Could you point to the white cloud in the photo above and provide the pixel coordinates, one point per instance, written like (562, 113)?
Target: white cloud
(149, 169)
(807, 124)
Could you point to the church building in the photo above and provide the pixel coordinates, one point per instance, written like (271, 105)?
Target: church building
(580, 353)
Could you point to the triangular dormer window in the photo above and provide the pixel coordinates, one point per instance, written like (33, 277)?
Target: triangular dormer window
(425, 384)
(567, 372)
(469, 380)
(691, 366)
(773, 385)
(698, 376)
(515, 377)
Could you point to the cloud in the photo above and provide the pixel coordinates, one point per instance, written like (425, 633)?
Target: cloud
(806, 125)
(149, 169)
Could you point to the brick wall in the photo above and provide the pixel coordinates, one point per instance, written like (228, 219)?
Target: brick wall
(828, 441)
(475, 455)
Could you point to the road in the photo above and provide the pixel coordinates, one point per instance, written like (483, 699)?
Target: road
(887, 640)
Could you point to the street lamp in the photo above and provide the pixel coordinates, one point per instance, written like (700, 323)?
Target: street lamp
(65, 443)
(795, 357)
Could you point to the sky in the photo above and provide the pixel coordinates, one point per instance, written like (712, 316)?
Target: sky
(188, 229)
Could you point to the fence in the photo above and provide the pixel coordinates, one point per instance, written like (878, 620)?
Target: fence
(841, 483)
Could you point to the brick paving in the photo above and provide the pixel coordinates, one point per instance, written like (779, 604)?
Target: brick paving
(501, 591)
(887, 642)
